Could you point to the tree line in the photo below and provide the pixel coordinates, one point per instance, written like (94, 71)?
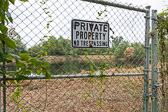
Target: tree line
(61, 46)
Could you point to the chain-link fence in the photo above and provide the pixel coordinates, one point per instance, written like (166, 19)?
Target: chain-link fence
(162, 96)
(44, 28)
(162, 65)
(162, 88)
(161, 99)
(158, 66)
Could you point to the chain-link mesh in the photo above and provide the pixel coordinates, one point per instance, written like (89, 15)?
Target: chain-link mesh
(119, 94)
(160, 97)
(162, 89)
(44, 28)
(158, 67)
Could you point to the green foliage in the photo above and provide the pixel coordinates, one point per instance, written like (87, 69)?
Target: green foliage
(52, 46)
(162, 28)
(24, 62)
(119, 51)
(119, 47)
(4, 39)
(16, 38)
(115, 42)
(27, 65)
(5, 16)
(138, 51)
(99, 80)
(35, 50)
(10, 43)
(61, 46)
(102, 14)
(20, 47)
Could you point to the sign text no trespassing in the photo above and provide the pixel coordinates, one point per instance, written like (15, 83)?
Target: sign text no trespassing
(89, 34)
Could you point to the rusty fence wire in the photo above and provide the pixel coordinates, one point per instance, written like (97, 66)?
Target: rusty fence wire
(44, 28)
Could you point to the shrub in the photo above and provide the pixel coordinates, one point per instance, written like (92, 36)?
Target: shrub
(129, 52)
(119, 51)
(138, 51)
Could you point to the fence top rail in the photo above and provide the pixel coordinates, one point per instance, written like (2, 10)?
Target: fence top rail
(129, 7)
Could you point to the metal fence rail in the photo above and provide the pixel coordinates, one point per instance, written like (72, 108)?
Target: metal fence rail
(44, 28)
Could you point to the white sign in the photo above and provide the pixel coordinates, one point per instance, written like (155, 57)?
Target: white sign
(89, 34)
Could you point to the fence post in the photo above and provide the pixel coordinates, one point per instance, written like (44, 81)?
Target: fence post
(4, 73)
(4, 81)
(0, 100)
(154, 83)
(146, 67)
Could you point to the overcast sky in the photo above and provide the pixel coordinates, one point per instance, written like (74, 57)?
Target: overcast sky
(30, 20)
(155, 4)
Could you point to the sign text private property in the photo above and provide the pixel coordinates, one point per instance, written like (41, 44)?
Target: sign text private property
(89, 34)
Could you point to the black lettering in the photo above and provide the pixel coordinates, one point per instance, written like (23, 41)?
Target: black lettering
(86, 43)
(98, 43)
(92, 35)
(100, 35)
(104, 35)
(77, 42)
(77, 34)
(107, 44)
(94, 43)
(89, 34)
(85, 35)
(105, 28)
(81, 43)
(103, 43)
(81, 35)
(96, 36)
(90, 42)
(74, 42)
(96, 28)
(87, 26)
(100, 27)
(76, 24)
(82, 26)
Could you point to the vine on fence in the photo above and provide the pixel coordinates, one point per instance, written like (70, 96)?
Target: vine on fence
(95, 70)
(24, 61)
(162, 28)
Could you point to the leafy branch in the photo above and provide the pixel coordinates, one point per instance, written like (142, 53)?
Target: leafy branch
(162, 28)
(26, 65)
(93, 69)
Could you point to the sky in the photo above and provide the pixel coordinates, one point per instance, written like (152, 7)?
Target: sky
(155, 4)
(30, 19)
